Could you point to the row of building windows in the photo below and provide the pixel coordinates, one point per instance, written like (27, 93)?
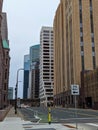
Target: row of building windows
(44, 77)
(81, 35)
(92, 36)
(47, 31)
(47, 34)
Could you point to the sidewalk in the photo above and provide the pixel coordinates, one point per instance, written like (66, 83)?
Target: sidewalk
(13, 122)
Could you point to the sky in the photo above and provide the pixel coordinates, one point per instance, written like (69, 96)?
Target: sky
(25, 19)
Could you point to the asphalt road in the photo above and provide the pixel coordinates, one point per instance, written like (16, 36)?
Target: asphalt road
(85, 119)
(61, 115)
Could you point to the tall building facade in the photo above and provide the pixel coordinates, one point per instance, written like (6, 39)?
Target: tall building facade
(10, 93)
(26, 76)
(46, 66)
(35, 81)
(75, 41)
(89, 91)
(1, 58)
(1, 3)
(33, 91)
(6, 59)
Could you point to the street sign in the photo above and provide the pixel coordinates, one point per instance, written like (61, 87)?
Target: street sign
(74, 89)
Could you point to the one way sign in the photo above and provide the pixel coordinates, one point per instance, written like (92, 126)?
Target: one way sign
(74, 89)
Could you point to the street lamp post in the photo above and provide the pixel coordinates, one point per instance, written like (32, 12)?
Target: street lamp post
(16, 89)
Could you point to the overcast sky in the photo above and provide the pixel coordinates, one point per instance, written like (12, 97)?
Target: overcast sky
(25, 19)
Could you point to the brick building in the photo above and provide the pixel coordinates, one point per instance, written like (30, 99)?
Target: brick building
(1, 56)
(4, 59)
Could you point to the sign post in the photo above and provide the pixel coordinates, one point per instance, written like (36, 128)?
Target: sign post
(75, 92)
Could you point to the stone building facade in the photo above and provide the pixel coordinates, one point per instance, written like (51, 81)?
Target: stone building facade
(75, 43)
(89, 89)
(1, 56)
(4, 60)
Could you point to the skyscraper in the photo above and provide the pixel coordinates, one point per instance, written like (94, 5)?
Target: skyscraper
(46, 66)
(26, 76)
(76, 49)
(33, 91)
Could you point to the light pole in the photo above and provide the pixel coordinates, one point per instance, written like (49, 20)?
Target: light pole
(16, 89)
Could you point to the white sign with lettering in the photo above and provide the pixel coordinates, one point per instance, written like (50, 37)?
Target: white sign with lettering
(74, 89)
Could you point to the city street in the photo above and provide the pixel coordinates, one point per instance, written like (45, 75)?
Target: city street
(61, 115)
(86, 119)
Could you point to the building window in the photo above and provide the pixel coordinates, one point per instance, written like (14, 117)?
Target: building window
(80, 2)
(82, 53)
(93, 39)
(81, 29)
(81, 35)
(82, 59)
(93, 44)
(81, 17)
(4, 98)
(81, 25)
(81, 43)
(90, 3)
(92, 35)
(82, 49)
(6, 74)
(93, 49)
(7, 53)
(6, 61)
(93, 53)
(81, 39)
(46, 31)
(91, 18)
(94, 62)
(4, 86)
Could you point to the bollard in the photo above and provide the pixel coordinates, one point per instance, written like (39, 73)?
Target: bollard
(49, 115)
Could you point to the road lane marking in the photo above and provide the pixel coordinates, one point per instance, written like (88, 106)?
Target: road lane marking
(92, 124)
(79, 113)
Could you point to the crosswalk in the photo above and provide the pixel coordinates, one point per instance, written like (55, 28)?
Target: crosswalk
(78, 120)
